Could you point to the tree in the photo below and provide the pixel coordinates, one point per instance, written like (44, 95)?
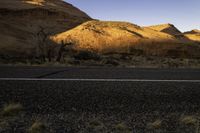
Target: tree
(62, 49)
(46, 48)
(44, 45)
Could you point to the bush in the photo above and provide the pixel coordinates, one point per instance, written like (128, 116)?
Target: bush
(155, 125)
(96, 124)
(122, 128)
(12, 109)
(188, 120)
(111, 62)
(37, 127)
(87, 55)
(136, 52)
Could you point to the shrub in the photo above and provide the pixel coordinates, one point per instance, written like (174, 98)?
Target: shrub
(87, 55)
(110, 61)
(137, 52)
(122, 128)
(95, 124)
(155, 125)
(37, 127)
(12, 109)
(188, 120)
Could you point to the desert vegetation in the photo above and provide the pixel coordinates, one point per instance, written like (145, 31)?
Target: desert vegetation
(37, 127)
(119, 60)
(46, 50)
(11, 109)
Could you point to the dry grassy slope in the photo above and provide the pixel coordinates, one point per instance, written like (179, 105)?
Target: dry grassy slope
(111, 36)
(193, 35)
(123, 37)
(20, 21)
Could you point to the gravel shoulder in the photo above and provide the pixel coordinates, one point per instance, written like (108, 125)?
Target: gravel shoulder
(83, 107)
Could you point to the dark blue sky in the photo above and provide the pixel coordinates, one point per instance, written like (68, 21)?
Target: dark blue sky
(184, 14)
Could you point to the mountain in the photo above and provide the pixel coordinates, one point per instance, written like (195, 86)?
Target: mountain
(193, 35)
(195, 31)
(22, 20)
(121, 37)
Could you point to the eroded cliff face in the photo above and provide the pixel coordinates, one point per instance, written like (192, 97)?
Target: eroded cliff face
(22, 20)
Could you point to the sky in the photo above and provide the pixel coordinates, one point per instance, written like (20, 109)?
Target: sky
(184, 14)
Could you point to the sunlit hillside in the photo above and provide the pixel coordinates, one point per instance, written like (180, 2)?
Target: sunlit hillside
(111, 36)
(123, 37)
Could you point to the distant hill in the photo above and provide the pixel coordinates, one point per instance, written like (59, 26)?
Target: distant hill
(193, 35)
(166, 28)
(193, 32)
(172, 30)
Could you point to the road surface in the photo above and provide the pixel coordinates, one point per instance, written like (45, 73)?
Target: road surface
(97, 89)
(108, 91)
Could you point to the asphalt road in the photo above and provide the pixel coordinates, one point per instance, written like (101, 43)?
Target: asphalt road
(134, 96)
(101, 95)
(99, 73)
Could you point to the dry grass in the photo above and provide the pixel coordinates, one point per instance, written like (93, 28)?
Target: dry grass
(96, 124)
(35, 2)
(37, 127)
(12, 109)
(155, 125)
(188, 120)
(122, 128)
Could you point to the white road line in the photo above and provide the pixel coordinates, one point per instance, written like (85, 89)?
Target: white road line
(97, 80)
